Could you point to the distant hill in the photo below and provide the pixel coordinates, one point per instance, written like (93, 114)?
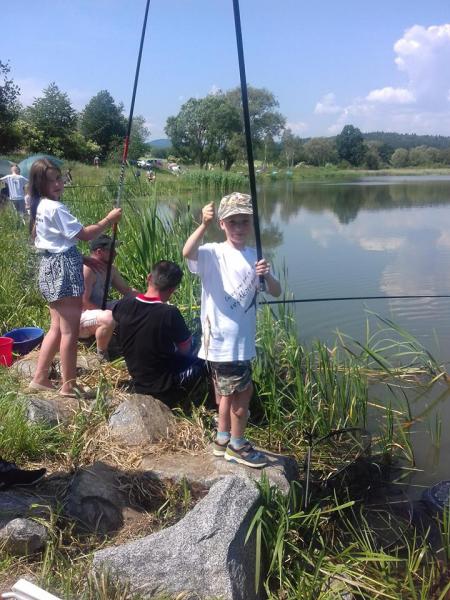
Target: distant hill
(162, 143)
(408, 140)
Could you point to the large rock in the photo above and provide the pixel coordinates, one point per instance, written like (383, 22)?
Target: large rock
(203, 470)
(205, 553)
(23, 536)
(141, 419)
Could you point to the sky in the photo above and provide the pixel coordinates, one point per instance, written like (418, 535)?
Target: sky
(381, 66)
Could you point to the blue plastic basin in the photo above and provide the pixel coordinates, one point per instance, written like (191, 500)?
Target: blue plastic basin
(25, 338)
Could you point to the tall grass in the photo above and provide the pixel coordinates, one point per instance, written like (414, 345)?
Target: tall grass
(322, 553)
(301, 394)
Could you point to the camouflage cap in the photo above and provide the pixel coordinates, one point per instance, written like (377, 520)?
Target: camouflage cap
(235, 204)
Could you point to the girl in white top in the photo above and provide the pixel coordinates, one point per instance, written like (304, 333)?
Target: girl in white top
(56, 232)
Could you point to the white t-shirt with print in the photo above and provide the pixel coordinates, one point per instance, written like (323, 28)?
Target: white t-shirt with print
(56, 227)
(228, 305)
(16, 186)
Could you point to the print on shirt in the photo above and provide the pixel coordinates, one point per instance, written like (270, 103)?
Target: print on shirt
(240, 294)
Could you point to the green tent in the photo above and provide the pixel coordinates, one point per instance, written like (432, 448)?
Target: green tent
(5, 167)
(25, 165)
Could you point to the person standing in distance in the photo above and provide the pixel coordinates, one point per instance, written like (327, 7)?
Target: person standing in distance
(16, 185)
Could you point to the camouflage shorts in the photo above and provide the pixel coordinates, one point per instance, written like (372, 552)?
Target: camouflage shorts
(231, 377)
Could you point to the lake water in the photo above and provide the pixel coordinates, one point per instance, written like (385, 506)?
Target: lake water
(381, 236)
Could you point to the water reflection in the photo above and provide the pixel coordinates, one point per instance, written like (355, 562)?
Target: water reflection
(346, 200)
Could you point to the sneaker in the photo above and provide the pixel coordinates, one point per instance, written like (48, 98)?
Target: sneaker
(219, 449)
(10, 474)
(246, 455)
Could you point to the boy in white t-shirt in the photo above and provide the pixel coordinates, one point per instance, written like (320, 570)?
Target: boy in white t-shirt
(16, 185)
(229, 272)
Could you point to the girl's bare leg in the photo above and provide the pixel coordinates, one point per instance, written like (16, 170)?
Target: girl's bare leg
(69, 317)
(49, 348)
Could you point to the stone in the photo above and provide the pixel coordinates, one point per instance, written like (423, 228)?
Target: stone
(141, 419)
(50, 408)
(26, 367)
(39, 410)
(94, 499)
(203, 470)
(22, 537)
(205, 553)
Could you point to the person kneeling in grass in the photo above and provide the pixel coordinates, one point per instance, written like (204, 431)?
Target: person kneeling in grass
(229, 272)
(155, 340)
(94, 320)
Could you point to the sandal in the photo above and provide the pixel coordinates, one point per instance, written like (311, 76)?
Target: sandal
(80, 393)
(34, 387)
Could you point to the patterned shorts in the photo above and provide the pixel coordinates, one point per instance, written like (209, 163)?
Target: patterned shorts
(61, 275)
(231, 377)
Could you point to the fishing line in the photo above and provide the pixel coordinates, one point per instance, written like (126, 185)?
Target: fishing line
(124, 157)
(248, 136)
(299, 300)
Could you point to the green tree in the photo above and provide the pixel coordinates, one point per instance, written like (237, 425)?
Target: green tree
(372, 155)
(53, 116)
(266, 122)
(400, 158)
(418, 156)
(103, 122)
(9, 110)
(205, 131)
(350, 145)
(138, 145)
(138, 139)
(293, 149)
(320, 151)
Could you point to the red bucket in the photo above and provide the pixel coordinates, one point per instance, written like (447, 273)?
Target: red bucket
(6, 346)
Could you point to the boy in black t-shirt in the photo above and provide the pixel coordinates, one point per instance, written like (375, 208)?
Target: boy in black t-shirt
(155, 339)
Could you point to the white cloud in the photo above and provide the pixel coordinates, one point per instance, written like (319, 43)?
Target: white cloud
(422, 55)
(391, 95)
(327, 105)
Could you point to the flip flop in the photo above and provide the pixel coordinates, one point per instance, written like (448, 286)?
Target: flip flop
(80, 393)
(33, 387)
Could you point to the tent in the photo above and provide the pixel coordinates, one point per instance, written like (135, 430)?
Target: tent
(5, 167)
(25, 165)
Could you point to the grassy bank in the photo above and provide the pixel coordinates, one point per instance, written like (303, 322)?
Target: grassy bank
(322, 540)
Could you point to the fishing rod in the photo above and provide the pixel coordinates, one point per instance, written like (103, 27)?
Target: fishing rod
(248, 136)
(124, 157)
(299, 300)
